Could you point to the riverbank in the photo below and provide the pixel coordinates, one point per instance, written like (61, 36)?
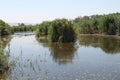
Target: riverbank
(103, 35)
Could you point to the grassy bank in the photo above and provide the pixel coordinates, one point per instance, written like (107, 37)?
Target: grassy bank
(103, 35)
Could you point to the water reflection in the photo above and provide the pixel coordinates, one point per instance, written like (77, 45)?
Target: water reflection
(35, 60)
(62, 53)
(109, 45)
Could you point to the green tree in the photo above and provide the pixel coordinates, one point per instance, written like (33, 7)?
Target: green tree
(118, 28)
(85, 27)
(94, 25)
(62, 31)
(5, 29)
(108, 25)
(103, 24)
(42, 29)
(21, 27)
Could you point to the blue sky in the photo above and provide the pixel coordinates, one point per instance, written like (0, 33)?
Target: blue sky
(36, 11)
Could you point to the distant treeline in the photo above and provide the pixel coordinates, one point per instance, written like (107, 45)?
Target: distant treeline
(96, 24)
(22, 28)
(100, 24)
(6, 29)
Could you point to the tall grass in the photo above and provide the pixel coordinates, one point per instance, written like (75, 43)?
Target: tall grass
(4, 61)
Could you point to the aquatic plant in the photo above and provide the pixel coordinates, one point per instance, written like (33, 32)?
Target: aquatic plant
(4, 61)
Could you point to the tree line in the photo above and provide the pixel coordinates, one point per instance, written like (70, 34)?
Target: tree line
(98, 24)
(21, 27)
(64, 30)
(6, 29)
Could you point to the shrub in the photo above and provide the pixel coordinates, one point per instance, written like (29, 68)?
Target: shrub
(62, 31)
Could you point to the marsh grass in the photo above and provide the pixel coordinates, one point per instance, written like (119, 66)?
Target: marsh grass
(4, 65)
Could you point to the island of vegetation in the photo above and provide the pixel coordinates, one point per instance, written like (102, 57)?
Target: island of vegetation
(59, 30)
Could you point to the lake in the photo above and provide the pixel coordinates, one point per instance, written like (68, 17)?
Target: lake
(89, 58)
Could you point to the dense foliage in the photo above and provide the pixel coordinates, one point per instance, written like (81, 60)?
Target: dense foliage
(42, 29)
(3, 61)
(5, 29)
(59, 30)
(22, 28)
(103, 24)
(62, 31)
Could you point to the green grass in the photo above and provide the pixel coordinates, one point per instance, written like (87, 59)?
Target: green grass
(3, 61)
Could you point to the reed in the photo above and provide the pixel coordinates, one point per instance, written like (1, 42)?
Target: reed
(4, 64)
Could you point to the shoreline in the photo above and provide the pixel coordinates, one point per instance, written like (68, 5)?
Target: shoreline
(102, 35)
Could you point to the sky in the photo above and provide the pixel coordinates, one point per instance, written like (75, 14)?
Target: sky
(36, 11)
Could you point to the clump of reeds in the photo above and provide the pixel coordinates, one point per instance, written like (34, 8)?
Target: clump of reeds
(4, 65)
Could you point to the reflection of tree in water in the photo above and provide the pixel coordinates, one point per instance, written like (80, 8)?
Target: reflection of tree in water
(43, 40)
(109, 45)
(4, 63)
(62, 53)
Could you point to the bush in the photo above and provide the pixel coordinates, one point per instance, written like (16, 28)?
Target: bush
(108, 25)
(85, 27)
(3, 61)
(5, 29)
(62, 31)
(42, 29)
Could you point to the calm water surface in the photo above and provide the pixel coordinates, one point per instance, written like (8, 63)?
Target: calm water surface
(89, 58)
